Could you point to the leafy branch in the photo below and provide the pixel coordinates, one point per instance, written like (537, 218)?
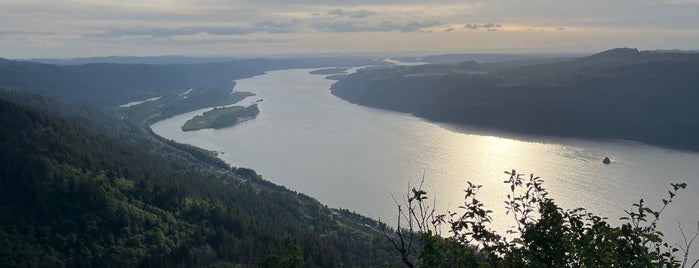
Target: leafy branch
(543, 235)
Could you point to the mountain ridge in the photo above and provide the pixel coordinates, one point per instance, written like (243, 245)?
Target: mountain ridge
(644, 96)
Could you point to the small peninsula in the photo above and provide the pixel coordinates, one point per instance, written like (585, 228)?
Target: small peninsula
(221, 117)
(336, 70)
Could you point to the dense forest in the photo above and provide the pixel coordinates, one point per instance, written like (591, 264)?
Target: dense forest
(114, 84)
(646, 96)
(92, 186)
(82, 187)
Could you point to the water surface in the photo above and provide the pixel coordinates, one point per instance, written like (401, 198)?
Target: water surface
(355, 157)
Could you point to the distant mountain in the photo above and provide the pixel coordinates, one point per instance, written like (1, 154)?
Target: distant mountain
(310, 60)
(133, 60)
(491, 57)
(114, 84)
(623, 93)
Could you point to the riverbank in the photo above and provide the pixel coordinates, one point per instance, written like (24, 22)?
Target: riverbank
(355, 157)
(617, 94)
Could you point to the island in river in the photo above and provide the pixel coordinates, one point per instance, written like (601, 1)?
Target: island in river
(336, 70)
(221, 117)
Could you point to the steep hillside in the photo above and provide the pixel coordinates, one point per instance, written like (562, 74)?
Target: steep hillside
(83, 194)
(620, 93)
(114, 84)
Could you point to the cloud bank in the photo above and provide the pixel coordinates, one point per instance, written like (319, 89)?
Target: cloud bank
(39, 28)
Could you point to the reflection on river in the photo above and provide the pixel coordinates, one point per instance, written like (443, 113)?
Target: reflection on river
(355, 157)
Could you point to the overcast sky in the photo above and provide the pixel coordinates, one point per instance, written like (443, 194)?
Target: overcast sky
(86, 28)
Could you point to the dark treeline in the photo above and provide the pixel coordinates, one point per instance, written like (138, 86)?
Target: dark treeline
(114, 84)
(621, 93)
(75, 192)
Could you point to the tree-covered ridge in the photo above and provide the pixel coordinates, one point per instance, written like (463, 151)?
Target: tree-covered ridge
(221, 117)
(113, 84)
(89, 195)
(116, 84)
(621, 93)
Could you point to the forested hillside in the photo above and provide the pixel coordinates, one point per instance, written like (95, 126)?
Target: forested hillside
(621, 94)
(114, 84)
(77, 192)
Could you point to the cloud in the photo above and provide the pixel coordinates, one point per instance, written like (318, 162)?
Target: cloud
(362, 20)
(10, 32)
(270, 26)
(161, 32)
(488, 26)
(362, 13)
(219, 41)
(318, 24)
(345, 3)
(169, 32)
(22, 33)
(364, 26)
(340, 26)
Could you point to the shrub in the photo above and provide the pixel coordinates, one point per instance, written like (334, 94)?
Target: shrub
(544, 234)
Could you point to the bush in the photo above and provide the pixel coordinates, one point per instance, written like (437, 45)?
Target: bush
(544, 235)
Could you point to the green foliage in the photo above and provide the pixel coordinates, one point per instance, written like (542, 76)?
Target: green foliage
(291, 259)
(110, 196)
(221, 117)
(543, 235)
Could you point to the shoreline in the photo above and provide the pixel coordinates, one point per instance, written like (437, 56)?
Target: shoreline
(520, 135)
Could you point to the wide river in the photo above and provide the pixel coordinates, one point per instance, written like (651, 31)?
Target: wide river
(355, 157)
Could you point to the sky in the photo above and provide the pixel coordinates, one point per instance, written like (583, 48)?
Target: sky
(89, 28)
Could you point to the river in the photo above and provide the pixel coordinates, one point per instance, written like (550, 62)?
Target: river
(355, 157)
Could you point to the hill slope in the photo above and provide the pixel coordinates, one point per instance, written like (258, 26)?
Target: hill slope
(84, 194)
(114, 84)
(621, 93)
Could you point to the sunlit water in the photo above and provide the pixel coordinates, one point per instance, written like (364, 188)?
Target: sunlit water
(354, 157)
